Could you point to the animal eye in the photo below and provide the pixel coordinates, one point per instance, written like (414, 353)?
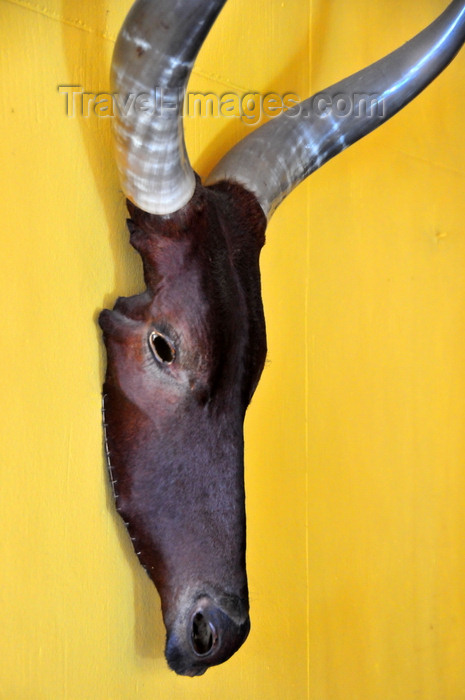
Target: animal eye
(162, 348)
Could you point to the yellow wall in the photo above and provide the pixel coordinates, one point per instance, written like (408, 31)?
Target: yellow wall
(356, 437)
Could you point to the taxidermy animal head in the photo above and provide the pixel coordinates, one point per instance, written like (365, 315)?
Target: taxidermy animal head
(185, 355)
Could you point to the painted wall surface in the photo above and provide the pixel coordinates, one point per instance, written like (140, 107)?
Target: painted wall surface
(355, 440)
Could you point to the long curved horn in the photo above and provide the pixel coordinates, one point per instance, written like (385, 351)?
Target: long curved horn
(276, 157)
(152, 61)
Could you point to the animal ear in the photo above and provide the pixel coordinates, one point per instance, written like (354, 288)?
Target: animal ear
(146, 246)
(139, 237)
(276, 157)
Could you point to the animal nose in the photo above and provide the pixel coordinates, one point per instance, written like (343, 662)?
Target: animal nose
(209, 638)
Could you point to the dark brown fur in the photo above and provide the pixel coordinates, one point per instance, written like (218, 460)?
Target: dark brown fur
(174, 432)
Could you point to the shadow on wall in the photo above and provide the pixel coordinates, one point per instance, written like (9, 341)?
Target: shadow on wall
(290, 79)
(86, 53)
(300, 76)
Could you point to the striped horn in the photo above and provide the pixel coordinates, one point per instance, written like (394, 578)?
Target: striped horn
(276, 157)
(152, 60)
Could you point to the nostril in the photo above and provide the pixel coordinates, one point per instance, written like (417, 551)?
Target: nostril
(204, 636)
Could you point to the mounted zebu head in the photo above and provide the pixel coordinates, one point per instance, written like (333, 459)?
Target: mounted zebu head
(185, 356)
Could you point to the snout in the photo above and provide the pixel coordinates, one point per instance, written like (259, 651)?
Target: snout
(209, 637)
